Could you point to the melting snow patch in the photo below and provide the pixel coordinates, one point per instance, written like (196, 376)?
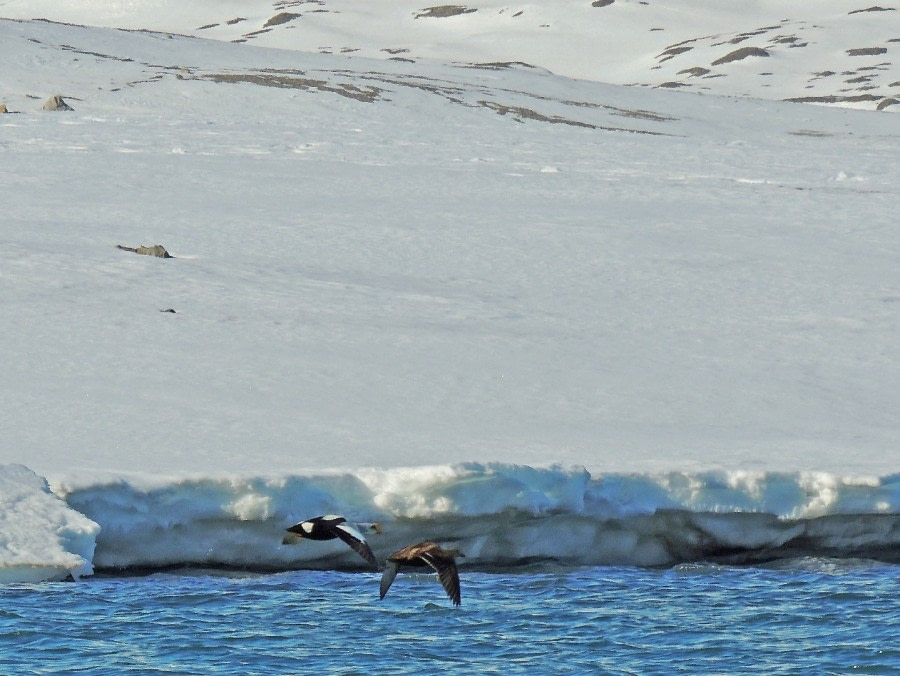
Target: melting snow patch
(842, 176)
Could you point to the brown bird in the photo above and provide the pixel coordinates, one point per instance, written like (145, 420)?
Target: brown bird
(425, 554)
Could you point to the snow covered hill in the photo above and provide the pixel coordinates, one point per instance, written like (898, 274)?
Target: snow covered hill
(384, 262)
(470, 251)
(834, 52)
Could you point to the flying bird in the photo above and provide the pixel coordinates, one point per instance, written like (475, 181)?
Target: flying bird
(329, 527)
(425, 554)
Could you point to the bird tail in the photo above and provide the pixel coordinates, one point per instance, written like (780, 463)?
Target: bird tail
(387, 577)
(291, 539)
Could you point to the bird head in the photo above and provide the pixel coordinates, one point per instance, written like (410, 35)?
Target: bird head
(297, 532)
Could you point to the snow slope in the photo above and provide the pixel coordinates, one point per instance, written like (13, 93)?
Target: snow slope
(394, 264)
(835, 51)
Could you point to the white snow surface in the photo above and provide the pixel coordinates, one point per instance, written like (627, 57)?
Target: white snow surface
(41, 537)
(836, 51)
(410, 289)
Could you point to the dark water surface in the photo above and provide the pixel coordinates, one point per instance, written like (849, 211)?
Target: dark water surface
(809, 615)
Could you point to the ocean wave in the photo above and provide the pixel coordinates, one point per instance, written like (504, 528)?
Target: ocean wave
(499, 515)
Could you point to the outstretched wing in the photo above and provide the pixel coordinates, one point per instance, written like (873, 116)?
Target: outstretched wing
(355, 539)
(390, 572)
(447, 573)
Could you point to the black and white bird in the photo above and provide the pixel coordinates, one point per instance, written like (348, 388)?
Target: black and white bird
(329, 527)
(425, 554)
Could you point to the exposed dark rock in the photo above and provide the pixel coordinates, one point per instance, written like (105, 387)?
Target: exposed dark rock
(444, 11)
(739, 54)
(876, 8)
(499, 65)
(281, 18)
(858, 98)
(672, 52)
(867, 51)
(696, 71)
(288, 81)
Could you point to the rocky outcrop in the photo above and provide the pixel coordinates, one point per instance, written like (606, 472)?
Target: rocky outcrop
(281, 18)
(157, 250)
(739, 54)
(444, 11)
(56, 103)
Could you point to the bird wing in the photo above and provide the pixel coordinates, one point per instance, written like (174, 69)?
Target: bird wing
(447, 573)
(390, 572)
(355, 539)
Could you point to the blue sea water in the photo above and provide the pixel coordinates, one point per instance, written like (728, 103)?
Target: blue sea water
(807, 615)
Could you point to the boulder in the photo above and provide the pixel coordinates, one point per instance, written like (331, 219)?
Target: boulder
(157, 250)
(57, 103)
